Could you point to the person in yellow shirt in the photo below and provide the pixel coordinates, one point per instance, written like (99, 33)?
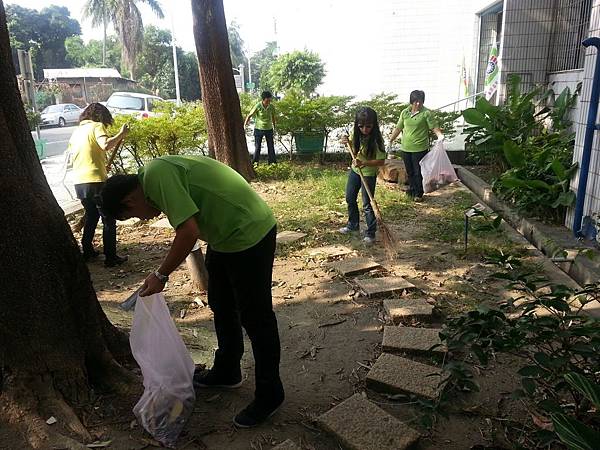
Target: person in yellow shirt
(88, 146)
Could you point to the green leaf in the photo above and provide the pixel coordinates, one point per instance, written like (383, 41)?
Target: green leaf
(513, 154)
(486, 107)
(564, 199)
(528, 385)
(588, 388)
(574, 434)
(558, 169)
(530, 371)
(475, 117)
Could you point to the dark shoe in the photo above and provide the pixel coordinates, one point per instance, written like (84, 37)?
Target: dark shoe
(88, 255)
(115, 261)
(418, 198)
(256, 413)
(210, 379)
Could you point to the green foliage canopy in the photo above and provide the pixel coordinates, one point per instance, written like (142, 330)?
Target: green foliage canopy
(300, 70)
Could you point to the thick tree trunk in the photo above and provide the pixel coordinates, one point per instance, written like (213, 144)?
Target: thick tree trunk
(55, 340)
(219, 96)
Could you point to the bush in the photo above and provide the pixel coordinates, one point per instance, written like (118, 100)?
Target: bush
(33, 118)
(273, 172)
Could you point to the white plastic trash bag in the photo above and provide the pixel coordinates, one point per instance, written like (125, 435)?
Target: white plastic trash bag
(436, 169)
(167, 368)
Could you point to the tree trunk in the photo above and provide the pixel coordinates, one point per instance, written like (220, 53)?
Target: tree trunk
(219, 96)
(55, 340)
(104, 38)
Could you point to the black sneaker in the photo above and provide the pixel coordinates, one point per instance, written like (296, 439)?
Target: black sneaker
(210, 379)
(115, 261)
(91, 254)
(256, 413)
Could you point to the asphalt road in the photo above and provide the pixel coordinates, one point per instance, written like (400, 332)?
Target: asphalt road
(56, 139)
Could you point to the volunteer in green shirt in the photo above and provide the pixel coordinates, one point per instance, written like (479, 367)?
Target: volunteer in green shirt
(205, 199)
(264, 123)
(414, 124)
(88, 146)
(367, 144)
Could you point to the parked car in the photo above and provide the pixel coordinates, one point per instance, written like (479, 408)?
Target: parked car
(141, 105)
(60, 114)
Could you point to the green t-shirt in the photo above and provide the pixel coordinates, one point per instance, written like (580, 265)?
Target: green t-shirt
(368, 171)
(415, 129)
(231, 216)
(264, 116)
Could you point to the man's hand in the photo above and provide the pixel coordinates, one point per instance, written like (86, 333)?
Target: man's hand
(344, 139)
(152, 285)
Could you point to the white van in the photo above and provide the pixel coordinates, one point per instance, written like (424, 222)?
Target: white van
(133, 103)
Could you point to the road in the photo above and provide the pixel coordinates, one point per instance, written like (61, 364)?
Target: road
(56, 139)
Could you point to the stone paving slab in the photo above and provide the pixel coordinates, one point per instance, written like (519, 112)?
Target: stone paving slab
(384, 285)
(361, 425)
(399, 309)
(395, 374)
(331, 251)
(354, 266)
(286, 237)
(162, 223)
(129, 222)
(288, 444)
(409, 339)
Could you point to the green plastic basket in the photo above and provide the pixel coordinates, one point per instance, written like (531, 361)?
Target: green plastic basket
(40, 148)
(309, 143)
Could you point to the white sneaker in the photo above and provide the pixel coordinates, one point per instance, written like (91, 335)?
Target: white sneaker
(368, 240)
(346, 230)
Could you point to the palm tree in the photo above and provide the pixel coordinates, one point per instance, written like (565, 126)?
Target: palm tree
(127, 19)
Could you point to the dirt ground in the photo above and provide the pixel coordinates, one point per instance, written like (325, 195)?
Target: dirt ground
(330, 337)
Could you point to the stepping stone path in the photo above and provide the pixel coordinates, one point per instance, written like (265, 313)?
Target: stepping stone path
(162, 223)
(286, 237)
(392, 373)
(288, 444)
(409, 339)
(385, 285)
(331, 251)
(361, 425)
(354, 266)
(405, 309)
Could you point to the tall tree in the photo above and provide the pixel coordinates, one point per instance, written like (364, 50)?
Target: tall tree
(81, 54)
(55, 341)
(99, 11)
(219, 96)
(236, 45)
(302, 70)
(261, 62)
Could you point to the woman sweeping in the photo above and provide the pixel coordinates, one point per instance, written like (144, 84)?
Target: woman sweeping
(89, 145)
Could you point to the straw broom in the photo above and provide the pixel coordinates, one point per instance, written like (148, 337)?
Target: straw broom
(388, 239)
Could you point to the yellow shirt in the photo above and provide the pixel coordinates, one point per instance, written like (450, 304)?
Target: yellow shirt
(89, 159)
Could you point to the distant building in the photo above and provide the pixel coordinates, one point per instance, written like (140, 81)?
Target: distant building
(86, 85)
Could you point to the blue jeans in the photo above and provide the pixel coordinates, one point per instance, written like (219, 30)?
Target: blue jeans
(258, 136)
(352, 187)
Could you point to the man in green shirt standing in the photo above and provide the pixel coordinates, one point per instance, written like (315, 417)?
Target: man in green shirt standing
(414, 124)
(205, 199)
(264, 123)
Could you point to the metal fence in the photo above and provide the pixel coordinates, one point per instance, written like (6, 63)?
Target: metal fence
(571, 24)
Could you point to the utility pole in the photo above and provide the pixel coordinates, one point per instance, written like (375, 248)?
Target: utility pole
(28, 82)
(175, 66)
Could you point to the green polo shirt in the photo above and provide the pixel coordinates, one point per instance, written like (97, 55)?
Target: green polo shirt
(231, 216)
(264, 116)
(368, 171)
(415, 129)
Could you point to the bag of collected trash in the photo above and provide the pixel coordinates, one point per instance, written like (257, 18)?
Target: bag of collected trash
(167, 368)
(436, 168)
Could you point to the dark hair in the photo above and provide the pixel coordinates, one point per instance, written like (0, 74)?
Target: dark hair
(266, 94)
(97, 112)
(114, 191)
(417, 96)
(367, 115)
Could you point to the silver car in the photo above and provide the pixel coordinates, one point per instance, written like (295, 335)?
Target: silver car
(133, 103)
(61, 114)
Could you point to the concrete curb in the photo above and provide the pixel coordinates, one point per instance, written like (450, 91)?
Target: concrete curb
(583, 269)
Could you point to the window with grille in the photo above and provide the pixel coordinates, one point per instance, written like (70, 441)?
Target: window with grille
(571, 24)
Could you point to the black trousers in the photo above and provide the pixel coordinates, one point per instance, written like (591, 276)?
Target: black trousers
(88, 194)
(258, 136)
(239, 294)
(413, 172)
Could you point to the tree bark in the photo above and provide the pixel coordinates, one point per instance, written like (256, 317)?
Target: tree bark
(55, 340)
(219, 96)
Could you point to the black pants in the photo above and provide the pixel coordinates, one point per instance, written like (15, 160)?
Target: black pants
(87, 193)
(413, 172)
(258, 136)
(239, 294)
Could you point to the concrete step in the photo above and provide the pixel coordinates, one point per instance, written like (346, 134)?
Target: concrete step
(409, 339)
(288, 444)
(395, 374)
(331, 251)
(403, 309)
(287, 237)
(361, 425)
(374, 287)
(354, 266)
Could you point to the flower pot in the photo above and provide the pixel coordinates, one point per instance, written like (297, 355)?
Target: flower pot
(309, 142)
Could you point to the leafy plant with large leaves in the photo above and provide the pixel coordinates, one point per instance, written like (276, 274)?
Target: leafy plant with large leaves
(558, 345)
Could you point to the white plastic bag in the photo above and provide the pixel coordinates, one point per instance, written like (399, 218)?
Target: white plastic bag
(167, 368)
(436, 169)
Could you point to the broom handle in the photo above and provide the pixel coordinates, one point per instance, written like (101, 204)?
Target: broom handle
(114, 153)
(366, 187)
